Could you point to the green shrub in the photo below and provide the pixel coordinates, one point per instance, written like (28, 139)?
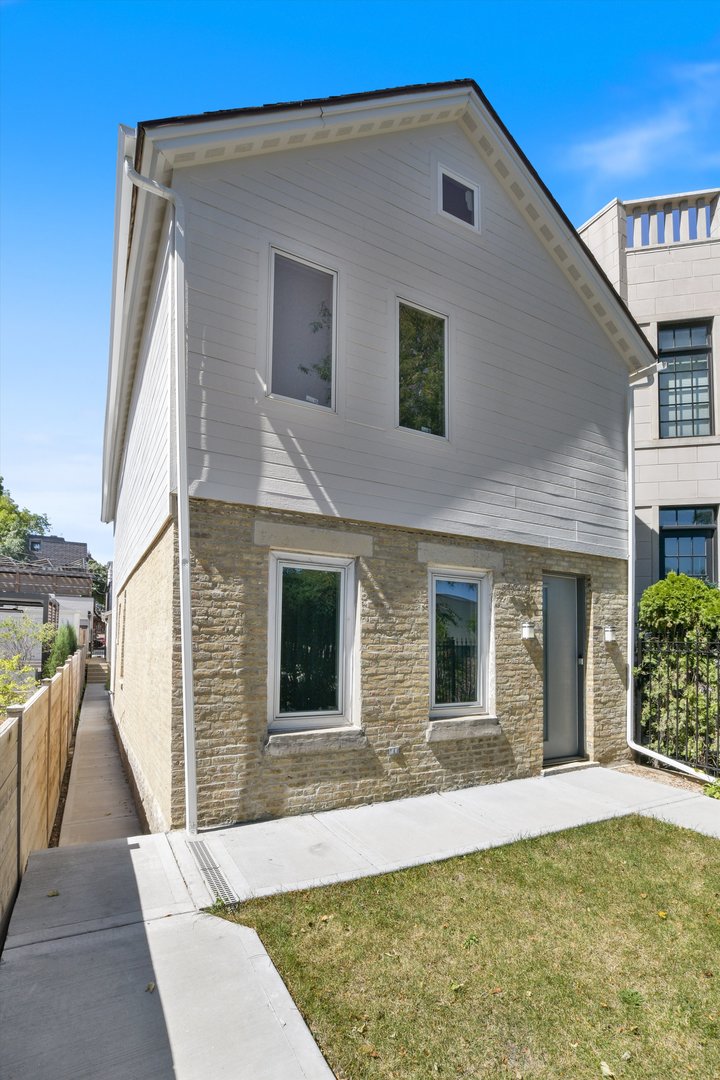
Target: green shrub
(64, 646)
(679, 624)
(679, 606)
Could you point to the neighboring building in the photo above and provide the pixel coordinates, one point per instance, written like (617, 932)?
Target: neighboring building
(56, 551)
(66, 594)
(663, 257)
(404, 431)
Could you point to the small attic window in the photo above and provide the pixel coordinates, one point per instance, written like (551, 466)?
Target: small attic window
(459, 198)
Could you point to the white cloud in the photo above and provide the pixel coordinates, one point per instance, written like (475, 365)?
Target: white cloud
(683, 126)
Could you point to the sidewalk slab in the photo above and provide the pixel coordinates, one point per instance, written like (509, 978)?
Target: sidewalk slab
(410, 831)
(99, 804)
(525, 808)
(699, 813)
(619, 792)
(289, 853)
(111, 883)
(186, 998)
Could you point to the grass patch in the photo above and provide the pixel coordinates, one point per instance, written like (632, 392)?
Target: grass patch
(548, 958)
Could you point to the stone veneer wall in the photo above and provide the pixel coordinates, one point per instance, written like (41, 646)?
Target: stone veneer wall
(242, 778)
(143, 673)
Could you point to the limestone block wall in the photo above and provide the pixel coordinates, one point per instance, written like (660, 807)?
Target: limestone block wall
(242, 777)
(143, 674)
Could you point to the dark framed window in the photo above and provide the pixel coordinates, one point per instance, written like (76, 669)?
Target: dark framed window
(684, 353)
(459, 198)
(422, 348)
(687, 541)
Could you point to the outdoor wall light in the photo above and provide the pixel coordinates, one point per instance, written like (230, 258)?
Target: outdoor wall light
(528, 630)
(609, 634)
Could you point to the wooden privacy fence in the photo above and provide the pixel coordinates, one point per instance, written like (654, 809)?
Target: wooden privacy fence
(34, 743)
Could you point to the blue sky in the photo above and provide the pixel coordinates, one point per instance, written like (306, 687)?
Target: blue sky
(606, 99)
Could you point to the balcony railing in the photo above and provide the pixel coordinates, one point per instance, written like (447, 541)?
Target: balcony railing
(673, 219)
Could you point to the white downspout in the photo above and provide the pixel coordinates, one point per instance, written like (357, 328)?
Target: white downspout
(631, 603)
(179, 352)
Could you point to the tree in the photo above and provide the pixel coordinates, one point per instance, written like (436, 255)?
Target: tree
(99, 573)
(15, 526)
(21, 636)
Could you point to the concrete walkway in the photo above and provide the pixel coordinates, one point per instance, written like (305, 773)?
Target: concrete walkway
(110, 970)
(99, 804)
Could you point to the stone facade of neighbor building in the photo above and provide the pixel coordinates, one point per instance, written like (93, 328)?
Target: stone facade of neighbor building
(663, 256)
(405, 433)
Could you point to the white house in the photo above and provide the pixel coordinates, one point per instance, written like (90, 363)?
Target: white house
(360, 363)
(663, 256)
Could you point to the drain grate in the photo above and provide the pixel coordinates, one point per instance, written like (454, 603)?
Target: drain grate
(214, 878)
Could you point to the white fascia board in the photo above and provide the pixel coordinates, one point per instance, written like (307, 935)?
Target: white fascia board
(206, 140)
(559, 238)
(123, 202)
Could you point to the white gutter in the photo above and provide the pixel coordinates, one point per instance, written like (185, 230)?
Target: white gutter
(630, 734)
(179, 354)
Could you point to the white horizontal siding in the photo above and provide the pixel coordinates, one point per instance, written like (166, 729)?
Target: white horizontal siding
(143, 500)
(536, 448)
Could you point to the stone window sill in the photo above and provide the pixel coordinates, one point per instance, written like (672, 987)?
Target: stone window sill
(294, 743)
(461, 727)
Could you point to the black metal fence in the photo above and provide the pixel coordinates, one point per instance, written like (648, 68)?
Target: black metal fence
(455, 671)
(677, 700)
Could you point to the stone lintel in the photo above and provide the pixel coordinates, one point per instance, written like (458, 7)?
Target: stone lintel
(461, 727)
(291, 743)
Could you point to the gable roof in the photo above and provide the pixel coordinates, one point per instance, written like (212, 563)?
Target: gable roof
(159, 147)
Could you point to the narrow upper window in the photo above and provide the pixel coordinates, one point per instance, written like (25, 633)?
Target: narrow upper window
(312, 613)
(684, 380)
(458, 198)
(459, 632)
(303, 333)
(422, 363)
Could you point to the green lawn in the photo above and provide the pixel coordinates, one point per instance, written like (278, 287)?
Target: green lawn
(586, 953)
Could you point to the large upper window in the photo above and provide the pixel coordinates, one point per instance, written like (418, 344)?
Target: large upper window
(459, 641)
(422, 369)
(303, 332)
(687, 541)
(684, 380)
(311, 632)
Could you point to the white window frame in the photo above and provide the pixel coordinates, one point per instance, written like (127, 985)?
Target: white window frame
(312, 721)
(484, 583)
(443, 170)
(333, 338)
(446, 380)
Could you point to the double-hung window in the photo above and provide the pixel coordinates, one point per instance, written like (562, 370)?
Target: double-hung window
(687, 541)
(459, 638)
(311, 641)
(684, 380)
(422, 367)
(303, 331)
